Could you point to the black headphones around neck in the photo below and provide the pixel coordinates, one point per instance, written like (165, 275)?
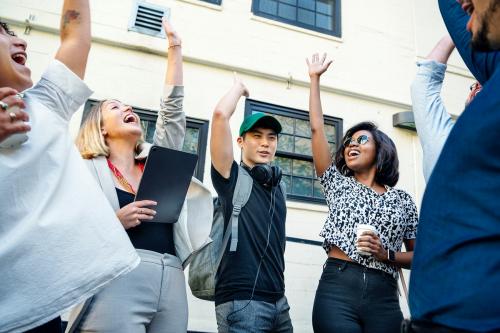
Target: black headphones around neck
(265, 174)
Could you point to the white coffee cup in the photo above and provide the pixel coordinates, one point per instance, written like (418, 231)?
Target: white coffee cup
(360, 229)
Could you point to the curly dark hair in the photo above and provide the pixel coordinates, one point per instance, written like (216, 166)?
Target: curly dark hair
(5, 27)
(386, 160)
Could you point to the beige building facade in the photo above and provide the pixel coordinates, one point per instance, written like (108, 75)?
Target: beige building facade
(374, 45)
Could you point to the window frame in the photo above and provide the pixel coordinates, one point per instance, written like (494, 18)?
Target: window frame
(213, 2)
(152, 115)
(252, 105)
(336, 30)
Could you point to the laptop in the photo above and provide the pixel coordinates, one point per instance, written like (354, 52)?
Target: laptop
(166, 178)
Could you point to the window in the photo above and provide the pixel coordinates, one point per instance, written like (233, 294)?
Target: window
(146, 19)
(195, 141)
(318, 15)
(294, 154)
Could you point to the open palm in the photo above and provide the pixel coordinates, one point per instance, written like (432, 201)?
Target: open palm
(317, 65)
(172, 35)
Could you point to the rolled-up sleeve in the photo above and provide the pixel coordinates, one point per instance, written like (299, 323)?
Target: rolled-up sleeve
(431, 119)
(171, 121)
(61, 90)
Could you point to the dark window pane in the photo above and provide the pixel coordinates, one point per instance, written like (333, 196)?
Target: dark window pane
(144, 126)
(303, 168)
(285, 143)
(324, 7)
(309, 4)
(287, 12)
(148, 130)
(318, 190)
(285, 164)
(318, 15)
(191, 140)
(302, 128)
(331, 133)
(324, 21)
(305, 16)
(303, 146)
(286, 123)
(268, 6)
(302, 186)
(288, 183)
(333, 148)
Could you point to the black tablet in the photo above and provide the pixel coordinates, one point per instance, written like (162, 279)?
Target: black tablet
(166, 179)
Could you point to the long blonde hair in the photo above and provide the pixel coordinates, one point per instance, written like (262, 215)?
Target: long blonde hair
(90, 140)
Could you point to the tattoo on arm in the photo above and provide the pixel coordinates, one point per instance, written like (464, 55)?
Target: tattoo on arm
(70, 15)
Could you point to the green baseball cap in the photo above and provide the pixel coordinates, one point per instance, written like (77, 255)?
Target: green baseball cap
(260, 119)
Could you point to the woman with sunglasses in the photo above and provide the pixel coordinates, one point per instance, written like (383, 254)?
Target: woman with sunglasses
(152, 298)
(358, 288)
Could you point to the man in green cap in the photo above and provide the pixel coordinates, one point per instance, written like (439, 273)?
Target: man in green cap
(250, 288)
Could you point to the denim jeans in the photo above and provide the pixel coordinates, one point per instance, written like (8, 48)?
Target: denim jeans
(241, 316)
(352, 298)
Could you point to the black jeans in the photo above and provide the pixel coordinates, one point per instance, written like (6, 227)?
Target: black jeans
(352, 298)
(53, 326)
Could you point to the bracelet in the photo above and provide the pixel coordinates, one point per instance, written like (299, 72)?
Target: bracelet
(170, 46)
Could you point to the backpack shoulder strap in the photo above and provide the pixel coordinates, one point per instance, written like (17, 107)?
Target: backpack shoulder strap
(241, 194)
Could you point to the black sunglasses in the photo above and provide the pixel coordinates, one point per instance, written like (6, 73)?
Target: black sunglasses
(362, 139)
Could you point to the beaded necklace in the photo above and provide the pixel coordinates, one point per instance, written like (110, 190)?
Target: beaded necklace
(121, 179)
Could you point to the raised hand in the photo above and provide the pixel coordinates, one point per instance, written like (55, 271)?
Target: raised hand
(240, 86)
(317, 65)
(173, 37)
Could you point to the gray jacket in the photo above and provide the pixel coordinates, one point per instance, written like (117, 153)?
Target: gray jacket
(191, 232)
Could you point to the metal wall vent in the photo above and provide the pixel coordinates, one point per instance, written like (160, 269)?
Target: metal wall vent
(146, 19)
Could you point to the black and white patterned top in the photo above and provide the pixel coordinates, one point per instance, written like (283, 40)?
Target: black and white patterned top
(350, 203)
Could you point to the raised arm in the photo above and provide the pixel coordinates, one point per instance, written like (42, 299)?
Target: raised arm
(320, 149)
(442, 51)
(431, 119)
(171, 123)
(221, 142)
(174, 63)
(75, 36)
(481, 64)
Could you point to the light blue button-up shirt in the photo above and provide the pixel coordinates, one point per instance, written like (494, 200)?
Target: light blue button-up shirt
(431, 119)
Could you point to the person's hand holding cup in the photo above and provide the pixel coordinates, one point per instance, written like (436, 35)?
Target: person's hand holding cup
(362, 231)
(368, 242)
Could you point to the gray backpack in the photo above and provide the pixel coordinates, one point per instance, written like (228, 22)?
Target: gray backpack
(205, 263)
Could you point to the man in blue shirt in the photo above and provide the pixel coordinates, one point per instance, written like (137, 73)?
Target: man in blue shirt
(456, 266)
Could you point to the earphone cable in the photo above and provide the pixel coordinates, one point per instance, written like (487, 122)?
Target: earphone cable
(271, 211)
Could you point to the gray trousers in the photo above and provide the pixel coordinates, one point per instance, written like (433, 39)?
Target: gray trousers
(152, 298)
